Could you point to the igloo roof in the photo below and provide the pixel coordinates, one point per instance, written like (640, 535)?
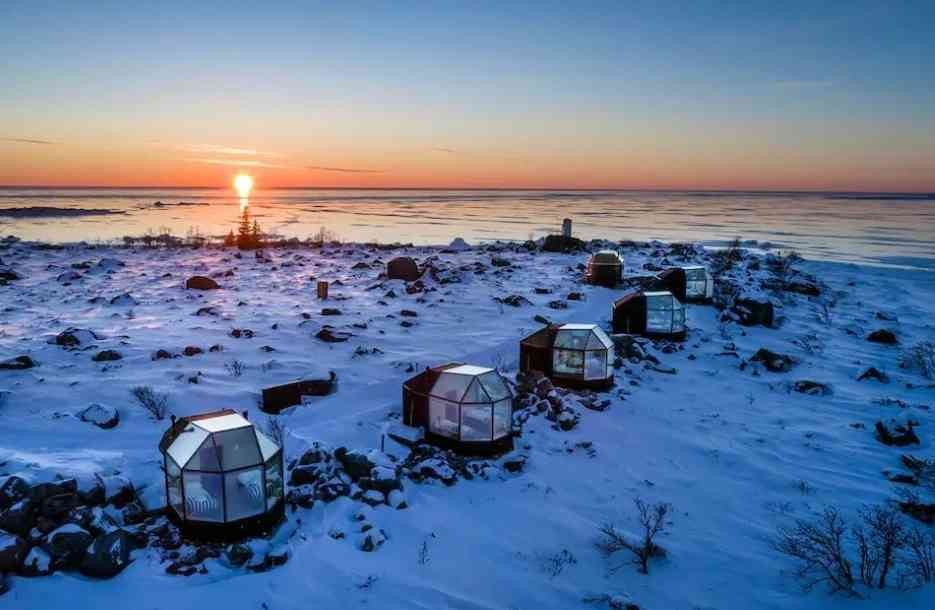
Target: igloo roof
(582, 337)
(467, 383)
(217, 442)
(606, 257)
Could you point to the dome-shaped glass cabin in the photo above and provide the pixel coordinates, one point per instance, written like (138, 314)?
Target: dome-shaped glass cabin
(605, 268)
(689, 284)
(652, 314)
(462, 407)
(224, 478)
(578, 356)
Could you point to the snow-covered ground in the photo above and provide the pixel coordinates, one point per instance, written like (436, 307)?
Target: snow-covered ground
(734, 450)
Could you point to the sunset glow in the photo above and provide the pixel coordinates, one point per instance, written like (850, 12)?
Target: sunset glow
(243, 184)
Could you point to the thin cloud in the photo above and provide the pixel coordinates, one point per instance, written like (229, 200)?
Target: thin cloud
(240, 163)
(450, 151)
(214, 149)
(344, 170)
(28, 141)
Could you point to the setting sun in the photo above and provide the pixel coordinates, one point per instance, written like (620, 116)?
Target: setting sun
(243, 184)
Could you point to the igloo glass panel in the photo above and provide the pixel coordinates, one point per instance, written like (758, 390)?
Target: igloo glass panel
(572, 339)
(599, 340)
(475, 393)
(244, 493)
(568, 362)
(206, 457)
(274, 487)
(476, 423)
(186, 444)
(502, 418)
(495, 385)
(443, 417)
(595, 365)
(451, 386)
(174, 485)
(204, 497)
(678, 316)
(237, 448)
(659, 314)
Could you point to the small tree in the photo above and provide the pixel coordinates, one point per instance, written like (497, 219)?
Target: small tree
(230, 241)
(244, 237)
(256, 236)
(652, 519)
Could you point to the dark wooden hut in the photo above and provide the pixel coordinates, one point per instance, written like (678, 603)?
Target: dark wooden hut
(578, 356)
(403, 268)
(605, 268)
(649, 313)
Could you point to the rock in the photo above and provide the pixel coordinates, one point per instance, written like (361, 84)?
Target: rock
(161, 355)
(101, 416)
(108, 555)
(515, 463)
(753, 312)
(329, 335)
(812, 388)
(107, 355)
(238, 555)
(541, 319)
(355, 463)
(373, 497)
(42, 491)
(514, 300)
(67, 545)
(200, 282)
(498, 261)
(403, 268)
(118, 490)
(192, 350)
(883, 336)
(66, 277)
(873, 373)
(37, 563)
(408, 313)
(774, 362)
(567, 420)
(800, 286)
(19, 517)
(74, 337)
(330, 311)
(560, 243)
(899, 437)
(13, 550)
(19, 363)
(458, 245)
(371, 540)
(124, 300)
(58, 506)
(575, 296)
(557, 304)
(12, 490)
(397, 499)
(238, 333)
(304, 475)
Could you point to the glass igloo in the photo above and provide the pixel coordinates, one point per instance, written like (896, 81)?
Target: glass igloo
(689, 284)
(605, 268)
(572, 355)
(224, 478)
(461, 406)
(652, 313)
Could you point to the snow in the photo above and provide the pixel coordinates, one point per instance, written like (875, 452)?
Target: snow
(733, 450)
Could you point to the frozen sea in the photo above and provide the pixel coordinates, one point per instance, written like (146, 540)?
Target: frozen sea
(883, 229)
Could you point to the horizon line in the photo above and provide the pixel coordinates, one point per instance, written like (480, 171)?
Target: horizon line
(462, 188)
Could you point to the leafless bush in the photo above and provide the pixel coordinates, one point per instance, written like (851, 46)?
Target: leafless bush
(324, 236)
(235, 367)
(922, 468)
(553, 565)
(652, 519)
(918, 559)
(879, 537)
(156, 403)
(920, 357)
(818, 548)
(782, 265)
(276, 429)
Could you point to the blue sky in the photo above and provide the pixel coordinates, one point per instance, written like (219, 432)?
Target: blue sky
(617, 94)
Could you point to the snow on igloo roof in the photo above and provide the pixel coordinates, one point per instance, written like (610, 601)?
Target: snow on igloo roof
(470, 384)
(582, 336)
(607, 257)
(221, 442)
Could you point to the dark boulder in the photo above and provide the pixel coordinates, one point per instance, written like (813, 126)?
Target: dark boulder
(13, 550)
(329, 335)
(900, 436)
(330, 311)
(74, 337)
(200, 282)
(356, 464)
(800, 286)
(752, 312)
(67, 545)
(192, 350)
(37, 563)
(108, 555)
(514, 300)
(18, 363)
(560, 243)
(874, 374)
(883, 336)
(774, 362)
(12, 490)
(101, 416)
(812, 388)
(403, 268)
(19, 517)
(107, 355)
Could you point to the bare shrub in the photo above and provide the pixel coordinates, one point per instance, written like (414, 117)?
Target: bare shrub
(235, 367)
(918, 559)
(652, 520)
(156, 403)
(553, 565)
(879, 537)
(323, 236)
(783, 266)
(920, 357)
(276, 429)
(818, 548)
